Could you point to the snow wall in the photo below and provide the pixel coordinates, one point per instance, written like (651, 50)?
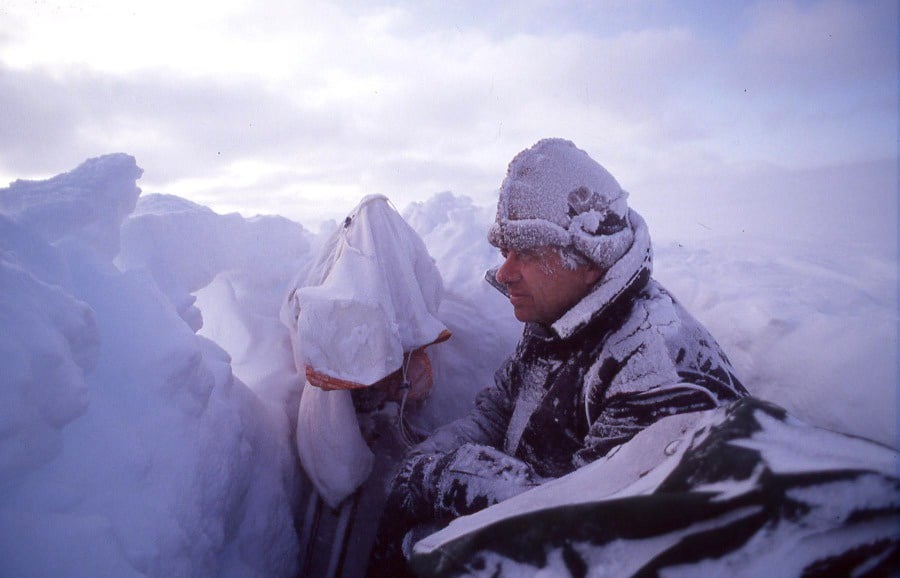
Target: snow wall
(148, 389)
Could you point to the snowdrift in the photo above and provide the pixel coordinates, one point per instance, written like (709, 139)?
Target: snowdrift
(148, 386)
(127, 446)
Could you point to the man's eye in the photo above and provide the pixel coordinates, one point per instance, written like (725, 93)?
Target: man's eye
(504, 253)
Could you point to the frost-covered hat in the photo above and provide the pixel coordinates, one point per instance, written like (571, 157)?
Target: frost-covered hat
(555, 194)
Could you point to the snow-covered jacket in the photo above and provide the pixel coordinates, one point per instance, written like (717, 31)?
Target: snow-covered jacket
(622, 358)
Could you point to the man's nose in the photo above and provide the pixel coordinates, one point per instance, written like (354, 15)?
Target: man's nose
(509, 270)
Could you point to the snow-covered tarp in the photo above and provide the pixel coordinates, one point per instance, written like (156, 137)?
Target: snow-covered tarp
(372, 296)
(745, 490)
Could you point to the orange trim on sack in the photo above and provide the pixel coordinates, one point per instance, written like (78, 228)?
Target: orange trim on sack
(329, 382)
(444, 336)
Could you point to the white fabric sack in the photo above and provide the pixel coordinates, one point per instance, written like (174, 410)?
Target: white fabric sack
(333, 453)
(378, 299)
(372, 296)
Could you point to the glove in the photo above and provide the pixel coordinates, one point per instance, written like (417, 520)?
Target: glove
(479, 476)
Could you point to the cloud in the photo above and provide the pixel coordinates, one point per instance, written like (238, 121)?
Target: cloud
(814, 45)
(190, 123)
(276, 104)
(37, 128)
(121, 37)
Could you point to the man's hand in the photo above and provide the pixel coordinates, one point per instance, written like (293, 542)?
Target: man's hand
(478, 476)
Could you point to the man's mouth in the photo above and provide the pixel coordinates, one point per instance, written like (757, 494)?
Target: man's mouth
(517, 298)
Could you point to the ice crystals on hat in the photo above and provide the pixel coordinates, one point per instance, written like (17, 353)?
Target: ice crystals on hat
(555, 194)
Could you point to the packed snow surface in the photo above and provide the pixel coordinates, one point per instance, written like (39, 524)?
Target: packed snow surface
(149, 392)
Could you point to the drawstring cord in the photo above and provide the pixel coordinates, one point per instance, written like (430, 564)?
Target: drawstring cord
(407, 433)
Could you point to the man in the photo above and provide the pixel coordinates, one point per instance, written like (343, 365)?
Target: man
(605, 351)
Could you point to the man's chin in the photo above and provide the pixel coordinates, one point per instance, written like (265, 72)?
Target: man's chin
(523, 314)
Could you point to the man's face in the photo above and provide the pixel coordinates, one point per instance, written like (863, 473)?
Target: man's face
(541, 288)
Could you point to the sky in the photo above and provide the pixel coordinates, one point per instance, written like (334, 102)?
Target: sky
(301, 108)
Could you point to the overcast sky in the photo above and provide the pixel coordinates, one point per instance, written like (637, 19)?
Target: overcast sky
(300, 108)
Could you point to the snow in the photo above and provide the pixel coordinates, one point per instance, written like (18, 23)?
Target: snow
(128, 447)
(149, 395)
